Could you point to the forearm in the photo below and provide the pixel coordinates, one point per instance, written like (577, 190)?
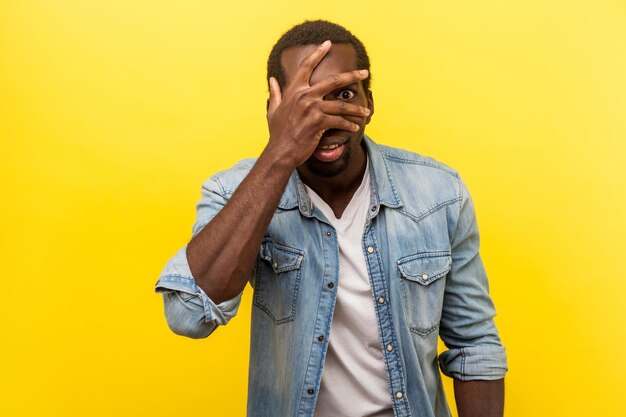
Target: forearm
(479, 398)
(221, 256)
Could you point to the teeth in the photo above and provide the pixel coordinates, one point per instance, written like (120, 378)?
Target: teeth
(327, 147)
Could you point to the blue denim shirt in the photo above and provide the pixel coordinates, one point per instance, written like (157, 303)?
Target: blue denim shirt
(421, 248)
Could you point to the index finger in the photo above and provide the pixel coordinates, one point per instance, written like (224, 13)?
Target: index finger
(336, 81)
(309, 63)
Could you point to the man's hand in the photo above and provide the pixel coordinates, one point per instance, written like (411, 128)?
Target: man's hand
(299, 116)
(222, 254)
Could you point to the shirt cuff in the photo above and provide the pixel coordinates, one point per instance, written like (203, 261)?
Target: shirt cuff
(474, 363)
(176, 277)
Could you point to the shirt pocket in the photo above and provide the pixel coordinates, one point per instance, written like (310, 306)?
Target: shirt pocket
(277, 281)
(422, 287)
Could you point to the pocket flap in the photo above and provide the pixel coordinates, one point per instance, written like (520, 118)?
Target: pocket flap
(425, 268)
(282, 258)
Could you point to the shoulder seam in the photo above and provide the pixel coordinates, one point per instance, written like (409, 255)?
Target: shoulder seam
(219, 176)
(435, 165)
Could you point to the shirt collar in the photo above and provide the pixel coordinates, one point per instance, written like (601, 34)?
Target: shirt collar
(383, 189)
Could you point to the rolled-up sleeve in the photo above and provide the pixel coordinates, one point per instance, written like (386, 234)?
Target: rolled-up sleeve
(475, 351)
(188, 310)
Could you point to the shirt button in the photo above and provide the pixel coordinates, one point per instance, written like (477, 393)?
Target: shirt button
(329, 234)
(320, 338)
(275, 265)
(373, 208)
(311, 391)
(424, 277)
(370, 249)
(399, 395)
(389, 348)
(331, 285)
(381, 300)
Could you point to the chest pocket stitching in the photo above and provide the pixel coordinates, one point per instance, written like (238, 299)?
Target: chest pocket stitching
(433, 265)
(281, 259)
(423, 332)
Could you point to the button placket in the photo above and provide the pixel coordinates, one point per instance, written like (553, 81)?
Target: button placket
(380, 290)
(323, 317)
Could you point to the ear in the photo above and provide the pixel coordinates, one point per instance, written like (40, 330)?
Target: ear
(269, 90)
(370, 105)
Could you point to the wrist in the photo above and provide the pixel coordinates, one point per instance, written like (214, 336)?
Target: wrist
(279, 158)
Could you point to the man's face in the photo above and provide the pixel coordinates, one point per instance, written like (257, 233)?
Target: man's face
(343, 145)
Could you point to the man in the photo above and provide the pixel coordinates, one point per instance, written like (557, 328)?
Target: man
(360, 256)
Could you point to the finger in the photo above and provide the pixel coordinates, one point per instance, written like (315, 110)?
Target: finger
(336, 81)
(275, 95)
(309, 63)
(338, 122)
(339, 107)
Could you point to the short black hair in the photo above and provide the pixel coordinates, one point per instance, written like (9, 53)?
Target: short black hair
(314, 32)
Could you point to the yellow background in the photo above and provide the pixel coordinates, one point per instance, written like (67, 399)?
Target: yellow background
(112, 113)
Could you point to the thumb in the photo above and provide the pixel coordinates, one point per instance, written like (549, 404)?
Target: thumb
(275, 96)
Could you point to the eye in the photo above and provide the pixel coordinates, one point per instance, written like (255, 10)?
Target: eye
(346, 95)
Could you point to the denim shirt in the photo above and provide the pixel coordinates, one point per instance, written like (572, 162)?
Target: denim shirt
(421, 248)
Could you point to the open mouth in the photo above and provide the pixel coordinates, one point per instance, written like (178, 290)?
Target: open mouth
(329, 153)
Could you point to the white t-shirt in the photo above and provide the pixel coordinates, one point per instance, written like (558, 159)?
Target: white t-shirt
(354, 379)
